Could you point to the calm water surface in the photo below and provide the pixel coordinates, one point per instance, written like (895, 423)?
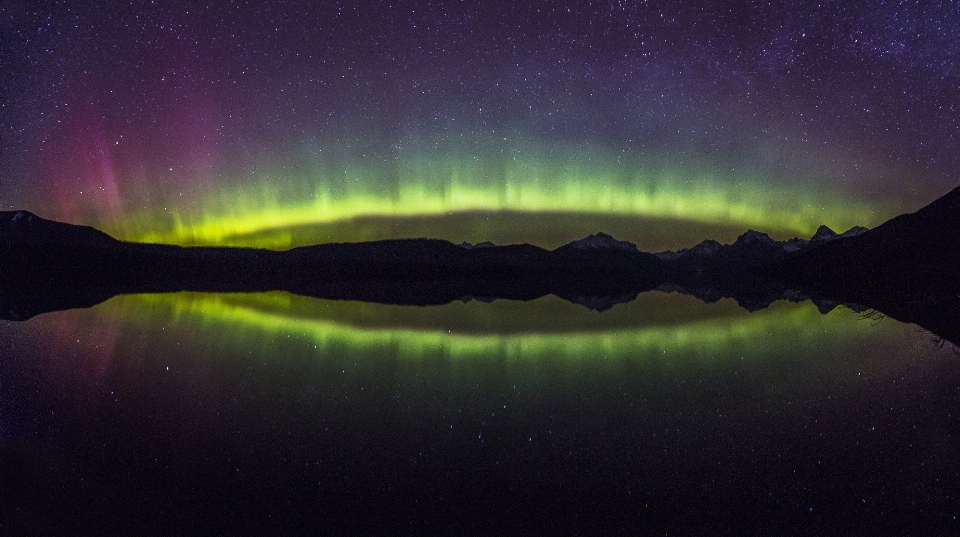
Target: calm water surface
(245, 414)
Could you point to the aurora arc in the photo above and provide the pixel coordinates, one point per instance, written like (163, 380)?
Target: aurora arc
(265, 316)
(585, 182)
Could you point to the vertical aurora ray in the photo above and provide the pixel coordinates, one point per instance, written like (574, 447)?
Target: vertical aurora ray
(526, 179)
(279, 124)
(167, 127)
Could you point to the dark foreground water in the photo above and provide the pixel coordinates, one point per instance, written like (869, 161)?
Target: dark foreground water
(275, 414)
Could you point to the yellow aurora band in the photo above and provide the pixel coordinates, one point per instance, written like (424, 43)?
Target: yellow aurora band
(579, 180)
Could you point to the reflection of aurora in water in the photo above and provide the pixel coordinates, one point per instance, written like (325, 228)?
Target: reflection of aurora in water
(236, 392)
(546, 328)
(575, 181)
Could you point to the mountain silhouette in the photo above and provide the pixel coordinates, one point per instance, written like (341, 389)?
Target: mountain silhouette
(751, 249)
(906, 268)
(76, 266)
(25, 227)
(910, 250)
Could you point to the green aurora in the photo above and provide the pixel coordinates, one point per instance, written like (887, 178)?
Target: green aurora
(544, 197)
(548, 328)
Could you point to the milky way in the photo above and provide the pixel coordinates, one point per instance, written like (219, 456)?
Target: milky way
(249, 123)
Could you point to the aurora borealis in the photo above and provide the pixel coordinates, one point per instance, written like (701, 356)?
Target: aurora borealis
(544, 329)
(286, 123)
(291, 122)
(227, 412)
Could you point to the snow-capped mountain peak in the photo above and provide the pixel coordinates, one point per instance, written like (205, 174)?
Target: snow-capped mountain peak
(854, 231)
(16, 219)
(484, 244)
(794, 245)
(755, 237)
(707, 247)
(602, 241)
(755, 247)
(823, 234)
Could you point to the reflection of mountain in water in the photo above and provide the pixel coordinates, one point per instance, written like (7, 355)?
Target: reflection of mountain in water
(906, 268)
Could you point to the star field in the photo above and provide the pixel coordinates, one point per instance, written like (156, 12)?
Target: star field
(191, 123)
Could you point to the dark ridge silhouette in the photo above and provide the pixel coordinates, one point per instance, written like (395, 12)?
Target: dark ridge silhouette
(83, 267)
(912, 251)
(26, 227)
(751, 249)
(906, 268)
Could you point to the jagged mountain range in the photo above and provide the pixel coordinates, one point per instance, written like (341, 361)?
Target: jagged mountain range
(754, 248)
(34, 244)
(911, 249)
(908, 267)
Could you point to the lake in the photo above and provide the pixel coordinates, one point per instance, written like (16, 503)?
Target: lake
(199, 413)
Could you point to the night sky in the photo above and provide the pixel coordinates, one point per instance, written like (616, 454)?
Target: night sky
(280, 123)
